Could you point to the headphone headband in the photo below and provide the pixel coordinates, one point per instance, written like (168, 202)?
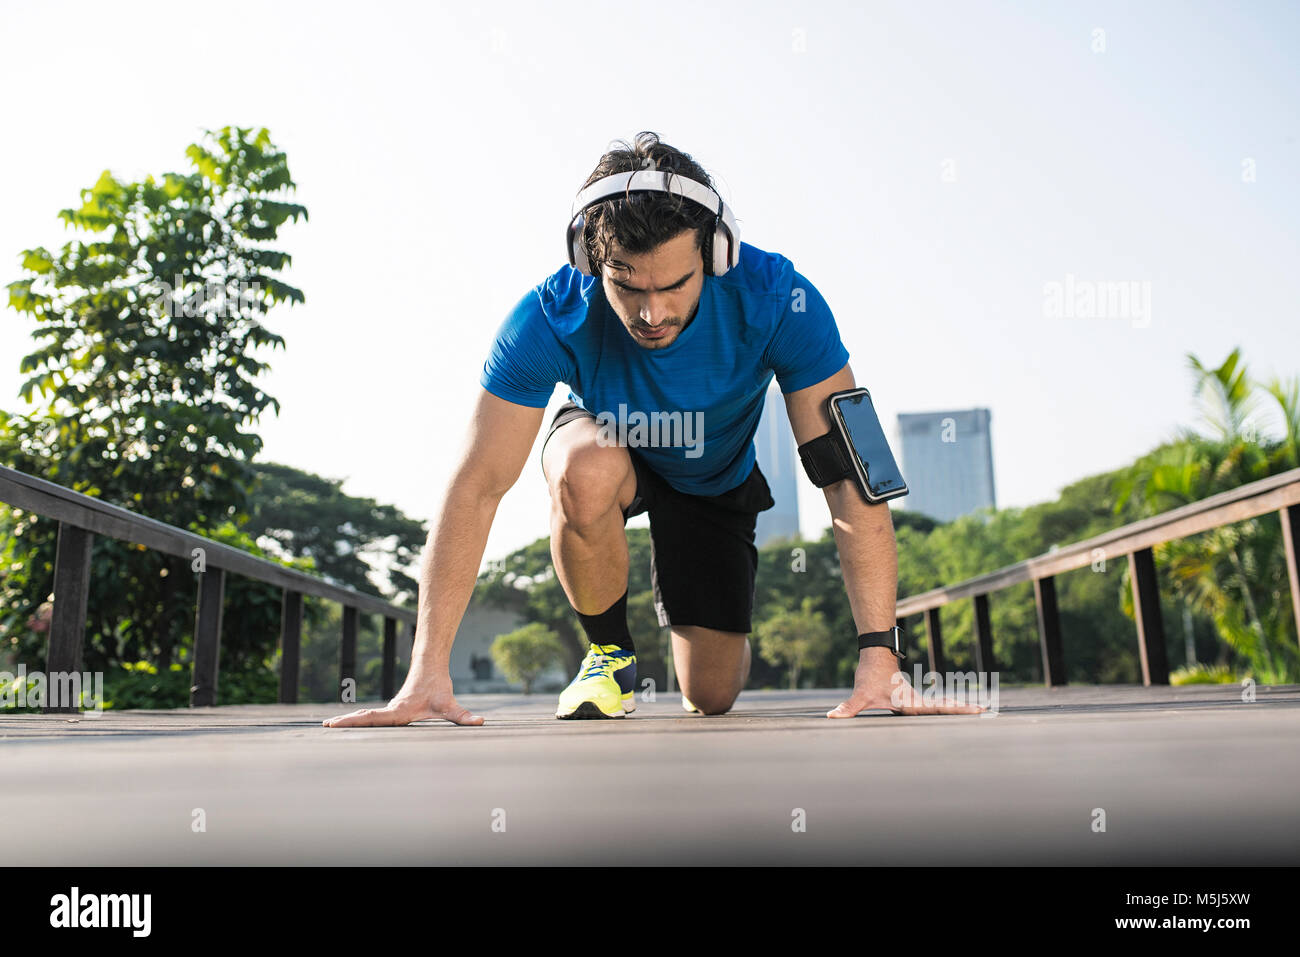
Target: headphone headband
(726, 238)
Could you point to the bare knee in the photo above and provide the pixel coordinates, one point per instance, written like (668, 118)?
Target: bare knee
(586, 482)
(714, 703)
(710, 700)
(712, 666)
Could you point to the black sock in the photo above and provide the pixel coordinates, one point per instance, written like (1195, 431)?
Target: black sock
(609, 627)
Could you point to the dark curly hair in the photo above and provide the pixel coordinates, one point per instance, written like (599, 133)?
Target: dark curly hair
(642, 221)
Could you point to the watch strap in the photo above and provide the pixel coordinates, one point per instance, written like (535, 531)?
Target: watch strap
(891, 639)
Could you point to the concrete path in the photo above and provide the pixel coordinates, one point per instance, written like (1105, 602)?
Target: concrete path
(1184, 776)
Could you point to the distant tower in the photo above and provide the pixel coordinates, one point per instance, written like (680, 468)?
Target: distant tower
(778, 458)
(947, 462)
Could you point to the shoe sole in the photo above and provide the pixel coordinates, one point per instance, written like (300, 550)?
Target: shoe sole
(589, 709)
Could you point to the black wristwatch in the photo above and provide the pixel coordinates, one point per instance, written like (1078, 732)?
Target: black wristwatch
(892, 639)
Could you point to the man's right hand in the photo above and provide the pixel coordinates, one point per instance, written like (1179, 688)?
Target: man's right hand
(404, 709)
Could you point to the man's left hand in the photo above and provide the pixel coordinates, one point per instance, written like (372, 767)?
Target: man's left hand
(876, 688)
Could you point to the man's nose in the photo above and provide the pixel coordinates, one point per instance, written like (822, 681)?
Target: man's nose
(651, 316)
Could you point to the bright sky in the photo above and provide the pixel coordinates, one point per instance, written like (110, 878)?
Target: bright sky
(928, 166)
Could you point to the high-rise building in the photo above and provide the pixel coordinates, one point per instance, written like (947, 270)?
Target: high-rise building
(947, 462)
(778, 458)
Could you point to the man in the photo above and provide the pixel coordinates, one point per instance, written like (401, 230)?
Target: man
(663, 317)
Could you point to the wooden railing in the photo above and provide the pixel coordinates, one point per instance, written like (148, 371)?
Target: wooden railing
(1278, 493)
(81, 518)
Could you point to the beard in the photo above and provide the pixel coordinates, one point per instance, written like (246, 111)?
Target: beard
(676, 322)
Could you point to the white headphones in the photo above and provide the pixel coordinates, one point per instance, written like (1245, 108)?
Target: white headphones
(725, 241)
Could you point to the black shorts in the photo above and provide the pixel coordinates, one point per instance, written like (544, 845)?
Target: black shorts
(703, 561)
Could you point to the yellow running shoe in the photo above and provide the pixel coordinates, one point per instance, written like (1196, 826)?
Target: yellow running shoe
(686, 705)
(604, 686)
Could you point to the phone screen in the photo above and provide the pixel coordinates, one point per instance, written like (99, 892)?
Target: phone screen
(868, 443)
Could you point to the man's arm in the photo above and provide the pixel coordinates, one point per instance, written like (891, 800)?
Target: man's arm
(493, 456)
(864, 537)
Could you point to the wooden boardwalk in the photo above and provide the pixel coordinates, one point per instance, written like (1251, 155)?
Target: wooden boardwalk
(1189, 775)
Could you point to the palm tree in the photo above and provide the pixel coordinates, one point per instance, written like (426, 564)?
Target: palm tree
(1287, 395)
(1225, 396)
(1219, 572)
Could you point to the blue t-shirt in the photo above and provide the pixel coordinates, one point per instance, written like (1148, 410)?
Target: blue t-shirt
(691, 408)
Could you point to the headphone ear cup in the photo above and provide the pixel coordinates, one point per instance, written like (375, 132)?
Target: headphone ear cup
(577, 248)
(718, 243)
(729, 243)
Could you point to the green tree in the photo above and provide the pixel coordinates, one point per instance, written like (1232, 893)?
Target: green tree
(355, 542)
(795, 639)
(149, 338)
(1234, 574)
(524, 654)
(1287, 395)
(525, 582)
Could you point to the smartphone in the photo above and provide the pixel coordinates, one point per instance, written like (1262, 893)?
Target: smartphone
(855, 417)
